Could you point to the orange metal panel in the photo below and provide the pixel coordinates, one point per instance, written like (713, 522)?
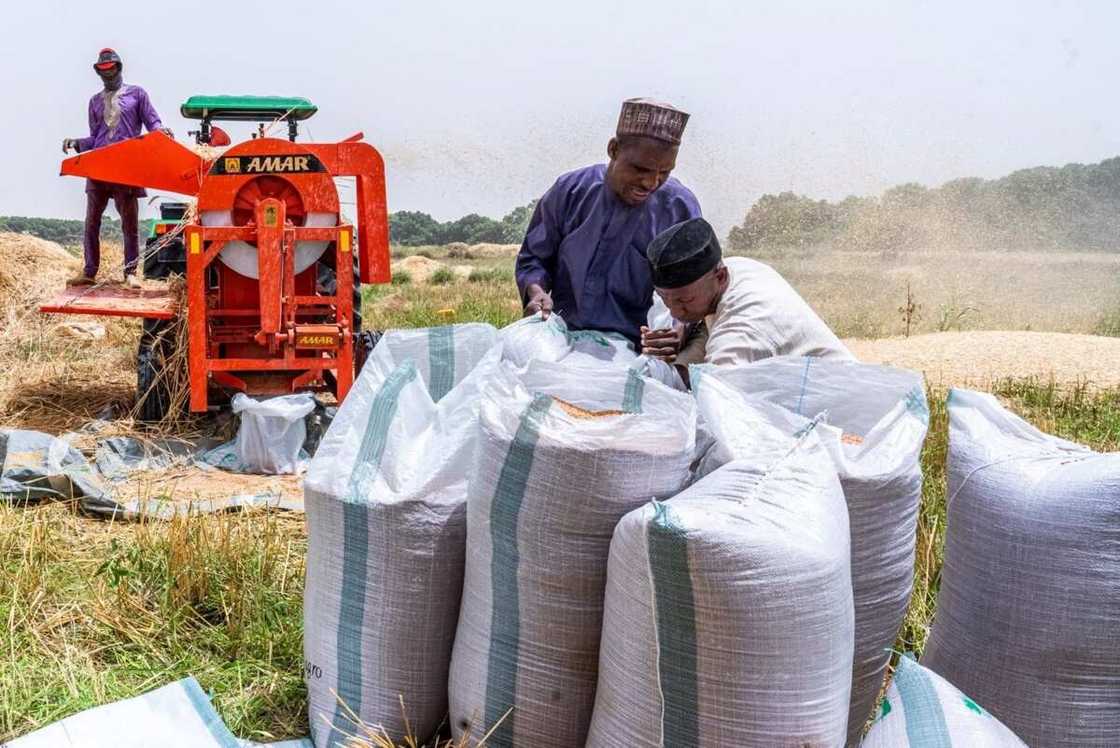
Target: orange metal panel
(361, 160)
(317, 337)
(236, 167)
(113, 301)
(270, 364)
(153, 160)
(196, 318)
(270, 262)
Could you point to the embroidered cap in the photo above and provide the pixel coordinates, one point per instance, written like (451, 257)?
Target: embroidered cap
(652, 119)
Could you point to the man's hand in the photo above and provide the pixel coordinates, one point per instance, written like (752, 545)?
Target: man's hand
(539, 301)
(664, 344)
(69, 143)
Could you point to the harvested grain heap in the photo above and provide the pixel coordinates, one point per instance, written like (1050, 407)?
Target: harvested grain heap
(30, 270)
(546, 492)
(54, 382)
(875, 421)
(729, 615)
(1029, 607)
(385, 500)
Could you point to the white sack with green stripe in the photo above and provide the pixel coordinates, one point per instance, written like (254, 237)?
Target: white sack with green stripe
(923, 710)
(729, 618)
(1028, 616)
(178, 715)
(386, 511)
(548, 487)
(534, 338)
(875, 420)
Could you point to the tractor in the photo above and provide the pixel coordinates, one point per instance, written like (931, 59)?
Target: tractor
(272, 269)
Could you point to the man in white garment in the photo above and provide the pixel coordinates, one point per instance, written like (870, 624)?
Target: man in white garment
(739, 310)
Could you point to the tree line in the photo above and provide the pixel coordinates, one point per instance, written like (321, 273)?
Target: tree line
(407, 227)
(414, 228)
(64, 230)
(1075, 207)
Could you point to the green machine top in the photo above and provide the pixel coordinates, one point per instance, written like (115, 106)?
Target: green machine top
(248, 108)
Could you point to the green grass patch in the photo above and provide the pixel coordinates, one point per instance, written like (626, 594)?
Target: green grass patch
(97, 612)
(442, 277)
(1109, 325)
(491, 275)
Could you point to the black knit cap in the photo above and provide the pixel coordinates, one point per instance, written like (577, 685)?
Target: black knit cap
(683, 253)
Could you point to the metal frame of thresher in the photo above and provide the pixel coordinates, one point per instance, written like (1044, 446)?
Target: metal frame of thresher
(155, 160)
(279, 304)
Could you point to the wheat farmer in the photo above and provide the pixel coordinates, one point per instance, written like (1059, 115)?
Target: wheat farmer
(740, 310)
(584, 254)
(117, 112)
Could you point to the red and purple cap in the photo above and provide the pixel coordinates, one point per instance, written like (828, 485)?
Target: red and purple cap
(106, 59)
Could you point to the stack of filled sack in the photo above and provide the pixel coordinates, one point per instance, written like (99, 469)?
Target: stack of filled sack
(537, 533)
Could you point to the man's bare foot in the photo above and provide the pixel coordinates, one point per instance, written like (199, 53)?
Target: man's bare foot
(132, 281)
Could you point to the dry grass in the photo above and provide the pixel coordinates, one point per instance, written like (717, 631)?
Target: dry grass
(53, 382)
(97, 611)
(975, 358)
(374, 736)
(859, 293)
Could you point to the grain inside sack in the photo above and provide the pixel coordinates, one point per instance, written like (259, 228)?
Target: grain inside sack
(872, 421)
(549, 485)
(1029, 609)
(729, 613)
(386, 512)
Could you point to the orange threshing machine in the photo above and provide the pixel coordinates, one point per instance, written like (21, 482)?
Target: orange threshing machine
(266, 231)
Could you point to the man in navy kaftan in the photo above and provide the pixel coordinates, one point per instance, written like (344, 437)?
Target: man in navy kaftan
(584, 254)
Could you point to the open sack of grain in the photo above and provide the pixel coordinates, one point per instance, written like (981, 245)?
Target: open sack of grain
(386, 511)
(1029, 610)
(728, 615)
(923, 710)
(873, 421)
(554, 473)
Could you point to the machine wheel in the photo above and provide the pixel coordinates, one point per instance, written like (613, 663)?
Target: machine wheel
(364, 343)
(364, 340)
(152, 397)
(171, 259)
(326, 280)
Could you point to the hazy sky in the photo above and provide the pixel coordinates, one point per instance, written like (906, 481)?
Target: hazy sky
(478, 106)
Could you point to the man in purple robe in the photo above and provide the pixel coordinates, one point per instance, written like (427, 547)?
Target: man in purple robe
(584, 254)
(116, 113)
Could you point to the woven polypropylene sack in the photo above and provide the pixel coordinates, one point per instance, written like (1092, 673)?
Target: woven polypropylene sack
(385, 499)
(271, 434)
(1029, 609)
(729, 613)
(549, 340)
(923, 710)
(595, 386)
(535, 338)
(875, 420)
(178, 715)
(551, 481)
(602, 347)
